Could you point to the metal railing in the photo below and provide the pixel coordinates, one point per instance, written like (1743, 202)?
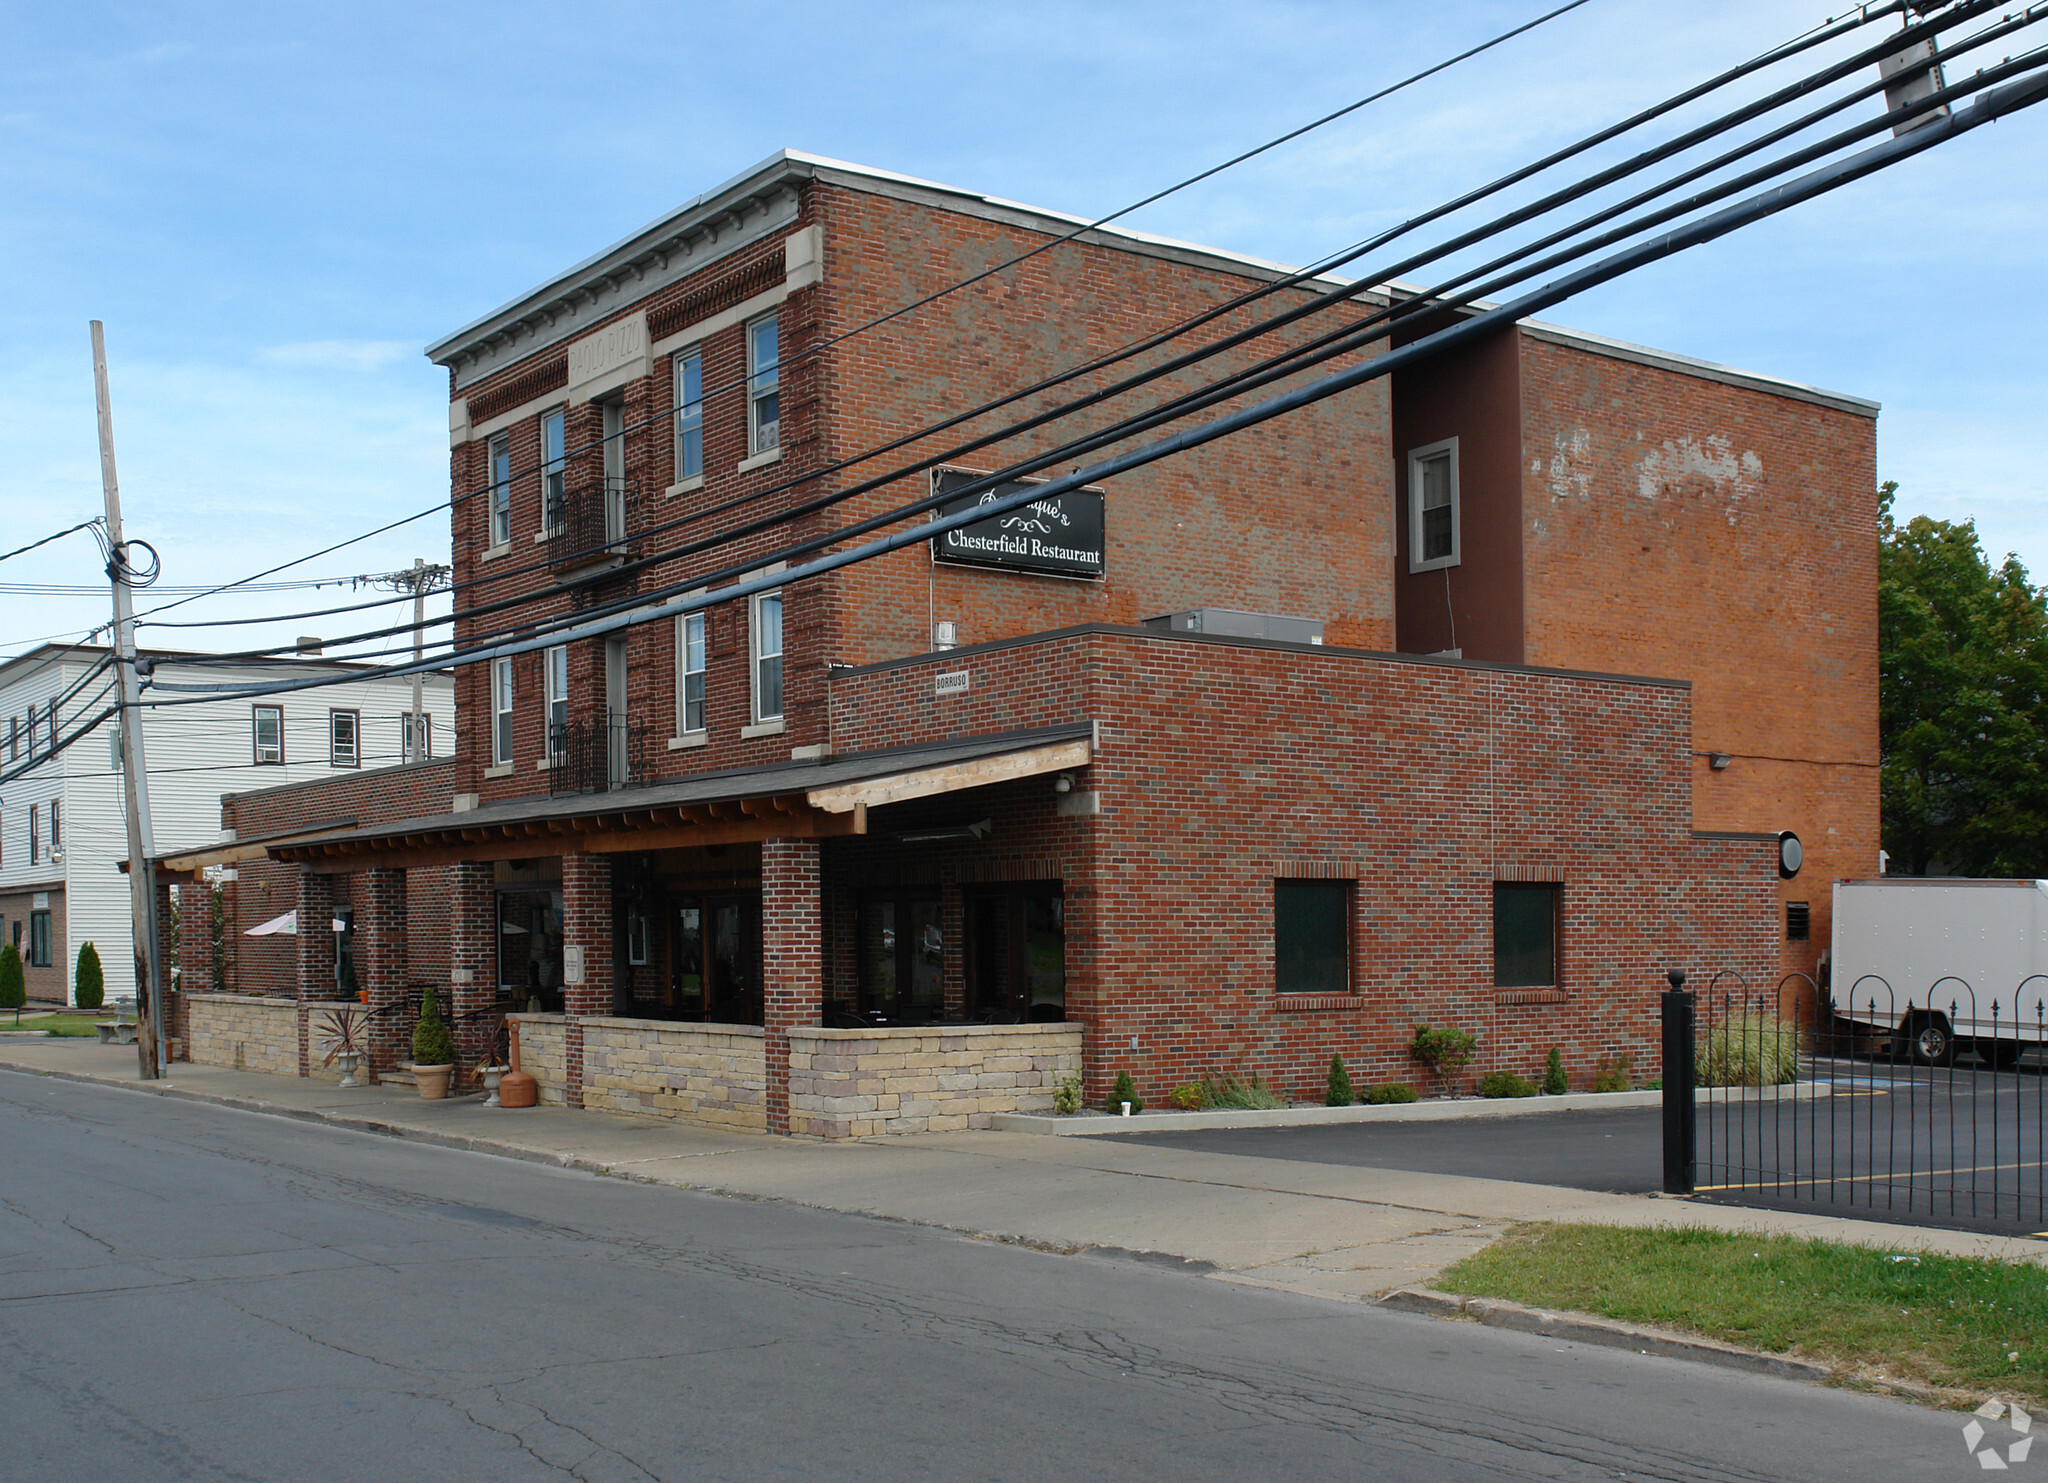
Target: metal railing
(591, 754)
(592, 522)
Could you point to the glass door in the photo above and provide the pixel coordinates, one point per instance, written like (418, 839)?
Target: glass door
(902, 956)
(1017, 953)
(715, 968)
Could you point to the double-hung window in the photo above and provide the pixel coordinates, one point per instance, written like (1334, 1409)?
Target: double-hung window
(35, 834)
(344, 738)
(267, 734)
(1312, 936)
(31, 733)
(1433, 534)
(764, 381)
(14, 738)
(690, 674)
(501, 711)
(52, 714)
(56, 826)
(689, 415)
(557, 661)
(767, 656)
(554, 470)
(501, 489)
(39, 939)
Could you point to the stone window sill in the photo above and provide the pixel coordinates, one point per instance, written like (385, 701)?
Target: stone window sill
(494, 552)
(685, 486)
(760, 460)
(689, 739)
(762, 728)
(502, 770)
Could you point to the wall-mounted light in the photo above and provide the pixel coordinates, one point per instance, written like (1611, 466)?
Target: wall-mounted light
(1064, 783)
(945, 634)
(1719, 761)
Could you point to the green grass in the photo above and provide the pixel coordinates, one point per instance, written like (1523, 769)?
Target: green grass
(1962, 1322)
(56, 1024)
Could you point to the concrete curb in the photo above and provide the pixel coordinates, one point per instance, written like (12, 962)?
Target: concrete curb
(1587, 1328)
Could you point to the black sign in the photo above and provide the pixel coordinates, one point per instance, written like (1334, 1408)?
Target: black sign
(1060, 536)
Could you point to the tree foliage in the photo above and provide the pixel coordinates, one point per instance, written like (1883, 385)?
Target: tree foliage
(432, 1045)
(91, 979)
(13, 983)
(1962, 702)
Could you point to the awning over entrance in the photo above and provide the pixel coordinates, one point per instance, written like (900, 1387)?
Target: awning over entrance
(796, 800)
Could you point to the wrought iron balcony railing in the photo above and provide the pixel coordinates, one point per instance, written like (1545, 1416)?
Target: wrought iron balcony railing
(591, 754)
(592, 524)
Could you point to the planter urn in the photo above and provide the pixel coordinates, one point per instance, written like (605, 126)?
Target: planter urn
(433, 1080)
(491, 1074)
(348, 1059)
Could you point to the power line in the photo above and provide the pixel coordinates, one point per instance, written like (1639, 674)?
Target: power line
(82, 525)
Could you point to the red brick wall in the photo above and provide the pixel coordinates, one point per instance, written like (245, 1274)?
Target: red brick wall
(1224, 767)
(792, 966)
(586, 924)
(1680, 526)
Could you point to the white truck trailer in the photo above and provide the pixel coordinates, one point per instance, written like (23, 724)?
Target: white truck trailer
(1942, 964)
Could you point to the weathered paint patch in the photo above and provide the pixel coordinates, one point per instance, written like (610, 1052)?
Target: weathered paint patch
(1707, 468)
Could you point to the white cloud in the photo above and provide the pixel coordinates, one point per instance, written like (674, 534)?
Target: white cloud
(339, 355)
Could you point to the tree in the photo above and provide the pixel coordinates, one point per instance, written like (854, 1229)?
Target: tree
(1962, 702)
(1338, 1091)
(90, 980)
(13, 986)
(431, 1043)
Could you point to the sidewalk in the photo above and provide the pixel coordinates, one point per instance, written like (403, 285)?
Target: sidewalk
(1329, 1230)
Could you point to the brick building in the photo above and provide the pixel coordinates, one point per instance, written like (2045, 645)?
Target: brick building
(1508, 670)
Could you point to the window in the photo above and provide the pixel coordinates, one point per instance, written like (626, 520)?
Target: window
(767, 641)
(1433, 506)
(35, 834)
(14, 738)
(689, 415)
(1312, 937)
(114, 747)
(636, 934)
(39, 939)
(902, 952)
(426, 737)
(554, 471)
(557, 662)
(31, 733)
(344, 747)
(764, 377)
(501, 711)
(52, 714)
(690, 673)
(501, 489)
(56, 826)
(268, 730)
(1524, 936)
(1798, 921)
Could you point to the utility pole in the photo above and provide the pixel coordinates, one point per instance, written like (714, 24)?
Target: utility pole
(419, 626)
(149, 1018)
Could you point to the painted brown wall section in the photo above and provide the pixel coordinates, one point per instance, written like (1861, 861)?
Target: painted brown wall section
(1683, 527)
(1476, 606)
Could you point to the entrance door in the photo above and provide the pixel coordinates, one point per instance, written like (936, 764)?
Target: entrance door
(902, 956)
(1017, 953)
(716, 963)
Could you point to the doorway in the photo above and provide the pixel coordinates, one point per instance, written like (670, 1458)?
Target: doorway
(715, 958)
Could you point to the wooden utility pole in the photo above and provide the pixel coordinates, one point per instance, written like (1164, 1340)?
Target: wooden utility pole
(419, 625)
(149, 1001)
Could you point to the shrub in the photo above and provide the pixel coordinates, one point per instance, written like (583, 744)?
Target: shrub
(1611, 1076)
(1393, 1091)
(432, 1045)
(1066, 1098)
(1188, 1097)
(1654, 1084)
(1124, 1091)
(1228, 1089)
(1505, 1084)
(13, 986)
(1554, 1083)
(1445, 1051)
(1749, 1050)
(90, 980)
(1338, 1092)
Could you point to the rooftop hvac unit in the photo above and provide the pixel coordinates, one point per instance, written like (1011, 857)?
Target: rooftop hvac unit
(1234, 623)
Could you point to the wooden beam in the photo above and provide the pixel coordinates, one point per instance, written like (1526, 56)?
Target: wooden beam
(953, 777)
(685, 836)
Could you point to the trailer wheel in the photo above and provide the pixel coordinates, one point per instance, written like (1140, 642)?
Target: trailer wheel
(1999, 1055)
(1928, 1037)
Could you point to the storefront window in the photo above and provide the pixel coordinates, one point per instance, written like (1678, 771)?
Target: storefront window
(902, 947)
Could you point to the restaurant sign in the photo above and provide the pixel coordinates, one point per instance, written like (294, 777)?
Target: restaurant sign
(1060, 536)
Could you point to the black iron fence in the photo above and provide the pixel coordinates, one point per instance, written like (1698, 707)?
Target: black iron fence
(1882, 1103)
(588, 754)
(592, 522)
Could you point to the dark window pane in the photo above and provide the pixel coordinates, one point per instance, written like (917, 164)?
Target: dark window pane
(1524, 936)
(1311, 937)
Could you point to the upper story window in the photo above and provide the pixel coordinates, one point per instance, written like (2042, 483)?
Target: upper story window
(1433, 535)
(501, 710)
(56, 826)
(554, 469)
(556, 661)
(689, 415)
(690, 673)
(14, 738)
(344, 738)
(35, 834)
(764, 380)
(51, 713)
(767, 651)
(267, 734)
(501, 489)
(31, 733)
(425, 746)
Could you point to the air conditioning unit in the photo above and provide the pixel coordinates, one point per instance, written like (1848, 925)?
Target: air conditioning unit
(1237, 624)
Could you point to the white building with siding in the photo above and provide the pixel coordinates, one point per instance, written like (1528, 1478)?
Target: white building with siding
(63, 824)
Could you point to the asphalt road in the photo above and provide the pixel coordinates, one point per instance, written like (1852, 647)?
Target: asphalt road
(196, 1293)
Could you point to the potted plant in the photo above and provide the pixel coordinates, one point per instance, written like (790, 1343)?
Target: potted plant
(339, 1029)
(433, 1049)
(488, 1076)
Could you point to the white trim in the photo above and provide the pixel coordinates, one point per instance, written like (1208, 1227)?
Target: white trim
(759, 460)
(1417, 562)
(755, 655)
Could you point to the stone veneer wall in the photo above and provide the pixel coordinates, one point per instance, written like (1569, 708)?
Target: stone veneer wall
(543, 1053)
(924, 1079)
(316, 1042)
(711, 1074)
(246, 1033)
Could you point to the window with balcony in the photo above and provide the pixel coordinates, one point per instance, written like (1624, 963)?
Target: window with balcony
(689, 415)
(266, 727)
(764, 381)
(554, 470)
(501, 489)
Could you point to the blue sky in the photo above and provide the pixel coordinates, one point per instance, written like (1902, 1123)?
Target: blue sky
(274, 207)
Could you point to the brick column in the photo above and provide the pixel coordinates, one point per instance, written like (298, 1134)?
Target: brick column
(195, 937)
(380, 964)
(792, 959)
(174, 1002)
(586, 933)
(472, 957)
(315, 942)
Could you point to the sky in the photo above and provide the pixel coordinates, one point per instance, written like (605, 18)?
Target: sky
(274, 208)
